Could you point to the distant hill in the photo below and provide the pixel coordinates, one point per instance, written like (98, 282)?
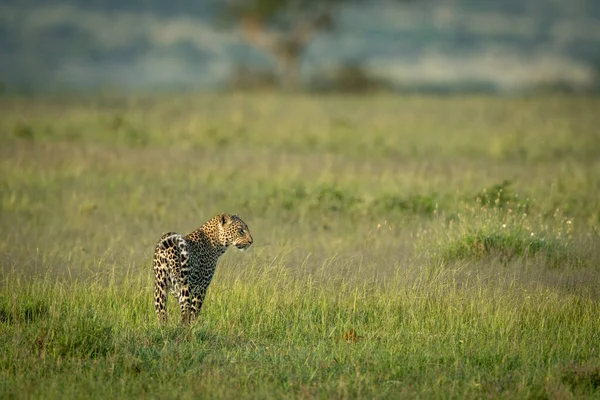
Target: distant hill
(507, 45)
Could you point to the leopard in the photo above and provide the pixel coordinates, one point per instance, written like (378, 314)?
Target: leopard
(185, 265)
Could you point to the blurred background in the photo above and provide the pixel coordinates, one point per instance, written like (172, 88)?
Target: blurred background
(438, 46)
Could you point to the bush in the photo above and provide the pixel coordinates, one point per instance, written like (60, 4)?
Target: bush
(500, 195)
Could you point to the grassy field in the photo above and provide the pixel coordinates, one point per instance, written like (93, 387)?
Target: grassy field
(405, 247)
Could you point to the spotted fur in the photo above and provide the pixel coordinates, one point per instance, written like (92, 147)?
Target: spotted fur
(185, 265)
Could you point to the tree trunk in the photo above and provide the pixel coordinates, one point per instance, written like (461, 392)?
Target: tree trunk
(286, 48)
(288, 64)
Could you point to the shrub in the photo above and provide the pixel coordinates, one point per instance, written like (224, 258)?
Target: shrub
(500, 195)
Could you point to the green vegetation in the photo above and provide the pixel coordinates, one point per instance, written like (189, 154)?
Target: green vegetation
(404, 246)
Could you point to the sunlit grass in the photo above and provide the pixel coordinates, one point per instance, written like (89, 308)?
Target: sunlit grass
(266, 331)
(404, 247)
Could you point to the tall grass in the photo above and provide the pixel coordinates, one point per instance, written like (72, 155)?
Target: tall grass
(264, 332)
(404, 247)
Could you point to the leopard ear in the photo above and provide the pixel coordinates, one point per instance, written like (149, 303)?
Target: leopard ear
(225, 218)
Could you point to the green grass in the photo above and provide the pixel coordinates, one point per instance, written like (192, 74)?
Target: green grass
(419, 247)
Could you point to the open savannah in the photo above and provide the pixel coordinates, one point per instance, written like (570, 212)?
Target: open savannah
(404, 246)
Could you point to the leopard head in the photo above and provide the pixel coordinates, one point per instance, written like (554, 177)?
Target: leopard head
(234, 232)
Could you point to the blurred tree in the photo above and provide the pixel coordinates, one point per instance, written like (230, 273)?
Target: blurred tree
(282, 28)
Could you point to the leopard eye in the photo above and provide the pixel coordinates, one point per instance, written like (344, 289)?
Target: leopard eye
(241, 231)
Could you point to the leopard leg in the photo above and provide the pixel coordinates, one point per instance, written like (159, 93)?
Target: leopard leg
(161, 288)
(197, 301)
(185, 303)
